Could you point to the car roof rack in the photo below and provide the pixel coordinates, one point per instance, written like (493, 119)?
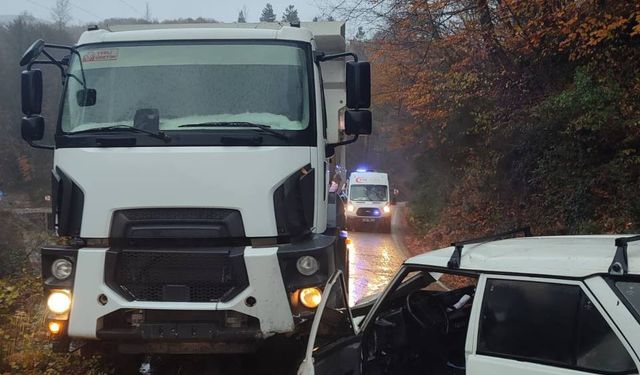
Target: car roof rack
(620, 264)
(454, 262)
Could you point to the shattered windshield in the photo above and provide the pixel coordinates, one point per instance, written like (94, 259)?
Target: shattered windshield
(166, 86)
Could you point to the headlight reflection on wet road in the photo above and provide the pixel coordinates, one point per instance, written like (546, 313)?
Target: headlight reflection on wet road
(373, 261)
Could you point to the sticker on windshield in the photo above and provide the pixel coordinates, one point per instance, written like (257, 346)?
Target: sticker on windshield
(100, 55)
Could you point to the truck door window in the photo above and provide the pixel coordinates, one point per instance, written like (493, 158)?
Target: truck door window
(553, 324)
(322, 98)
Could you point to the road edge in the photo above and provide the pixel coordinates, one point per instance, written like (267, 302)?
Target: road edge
(397, 228)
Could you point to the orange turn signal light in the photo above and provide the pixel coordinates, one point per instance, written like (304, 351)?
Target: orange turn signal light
(55, 327)
(311, 297)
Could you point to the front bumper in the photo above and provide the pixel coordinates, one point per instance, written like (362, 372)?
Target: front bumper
(367, 219)
(354, 217)
(262, 307)
(265, 285)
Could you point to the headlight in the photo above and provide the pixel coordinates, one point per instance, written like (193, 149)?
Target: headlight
(59, 301)
(386, 209)
(310, 297)
(61, 268)
(307, 265)
(350, 208)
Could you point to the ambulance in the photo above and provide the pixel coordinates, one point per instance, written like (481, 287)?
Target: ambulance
(368, 200)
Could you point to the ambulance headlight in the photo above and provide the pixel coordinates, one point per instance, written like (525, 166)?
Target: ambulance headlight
(350, 208)
(61, 268)
(386, 209)
(307, 265)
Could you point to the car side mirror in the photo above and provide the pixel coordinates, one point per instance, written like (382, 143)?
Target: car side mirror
(357, 122)
(358, 85)
(86, 97)
(32, 128)
(31, 85)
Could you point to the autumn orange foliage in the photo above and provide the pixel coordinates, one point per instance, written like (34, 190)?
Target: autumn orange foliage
(526, 112)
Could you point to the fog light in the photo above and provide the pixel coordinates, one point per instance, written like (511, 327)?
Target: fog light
(350, 208)
(310, 297)
(61, 268)
(55, 327)
(59, 301)
(386, 209)
(307, 265)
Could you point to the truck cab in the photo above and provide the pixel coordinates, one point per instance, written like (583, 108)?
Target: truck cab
(368, 200)
(190, 180)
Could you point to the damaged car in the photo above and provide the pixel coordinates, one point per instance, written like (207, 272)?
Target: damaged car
(494, 305)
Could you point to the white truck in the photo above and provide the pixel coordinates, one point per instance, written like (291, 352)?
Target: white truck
(369, 200)
(190, 174)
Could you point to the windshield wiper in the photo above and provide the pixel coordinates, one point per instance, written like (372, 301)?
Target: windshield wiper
(160, 135)
(238, 124)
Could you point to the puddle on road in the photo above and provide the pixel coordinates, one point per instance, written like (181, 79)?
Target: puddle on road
(373, 260)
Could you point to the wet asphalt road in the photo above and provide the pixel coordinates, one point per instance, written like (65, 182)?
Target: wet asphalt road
(374, 258)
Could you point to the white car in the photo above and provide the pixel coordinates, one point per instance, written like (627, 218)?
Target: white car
(520, 306)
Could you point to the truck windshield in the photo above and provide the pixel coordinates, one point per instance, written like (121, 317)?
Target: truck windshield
(161, 87)
(368, 192)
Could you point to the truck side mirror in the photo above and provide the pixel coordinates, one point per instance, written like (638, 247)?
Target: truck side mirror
(357, 122)
(32, 128)
(31, 82)
(32, 52)
(358, 85)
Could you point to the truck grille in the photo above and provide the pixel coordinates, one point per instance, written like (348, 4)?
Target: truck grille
(368, 211)
(177, 275)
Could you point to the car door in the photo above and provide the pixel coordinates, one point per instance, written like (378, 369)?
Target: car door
(334, 347)
(536, 326)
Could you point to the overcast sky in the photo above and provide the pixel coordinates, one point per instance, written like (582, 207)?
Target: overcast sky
(85, 11)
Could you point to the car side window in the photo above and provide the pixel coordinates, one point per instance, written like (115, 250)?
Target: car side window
(598, 348)
(548, 323)
(630, 290)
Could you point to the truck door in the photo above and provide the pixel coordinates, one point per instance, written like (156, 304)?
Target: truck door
(544, 326)
(334, 346)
